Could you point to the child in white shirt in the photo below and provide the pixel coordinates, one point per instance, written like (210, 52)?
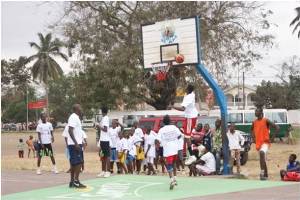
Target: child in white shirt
(131, 152)
(235, 140)
(149, 147)
(122, 149)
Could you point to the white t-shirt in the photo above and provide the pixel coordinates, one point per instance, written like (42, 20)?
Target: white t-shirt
(138, 136)
(189, 104)
(122, 145)
(114, 135)
(104, 136)
(180, 142)
(150, 140)
(131, 146)
(210, 161)
(45, 130)
(74, 122)
(235, 139)
(169, 139)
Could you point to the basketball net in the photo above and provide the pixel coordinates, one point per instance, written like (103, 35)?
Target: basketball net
(160, 70)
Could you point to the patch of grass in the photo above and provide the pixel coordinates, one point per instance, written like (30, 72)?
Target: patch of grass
(296, 132)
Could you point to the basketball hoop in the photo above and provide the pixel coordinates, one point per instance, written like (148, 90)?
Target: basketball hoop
(160, 70)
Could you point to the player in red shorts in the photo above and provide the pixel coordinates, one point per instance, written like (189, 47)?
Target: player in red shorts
(169, 136)
(190, 113)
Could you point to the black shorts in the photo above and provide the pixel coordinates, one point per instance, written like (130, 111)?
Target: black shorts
(76, 156)
(104, 145)
(47, 151)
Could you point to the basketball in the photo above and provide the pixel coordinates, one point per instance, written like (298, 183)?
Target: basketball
(179, 58)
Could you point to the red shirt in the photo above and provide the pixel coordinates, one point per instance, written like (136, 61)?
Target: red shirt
(197, 135)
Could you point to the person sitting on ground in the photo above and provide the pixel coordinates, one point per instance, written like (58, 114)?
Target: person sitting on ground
(206, 165)
(293, 166)
(21, 147)
(29, 143)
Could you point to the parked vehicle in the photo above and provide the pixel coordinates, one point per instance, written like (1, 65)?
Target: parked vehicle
(88, 123)
(155, 123)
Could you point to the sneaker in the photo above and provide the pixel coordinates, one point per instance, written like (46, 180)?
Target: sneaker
(172, 184)
(38, 172)
(71, 184)
(55, 170)
(77, 184)
(190, 160)
(263, 177)
(106, 175)
(101, 174)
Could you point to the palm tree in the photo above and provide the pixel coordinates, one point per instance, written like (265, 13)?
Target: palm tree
(297, 19)
(45, 67)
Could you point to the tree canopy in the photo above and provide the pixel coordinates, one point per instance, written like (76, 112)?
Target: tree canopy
(284, 94)
(107, 37)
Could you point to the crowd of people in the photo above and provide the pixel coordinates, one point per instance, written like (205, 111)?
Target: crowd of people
(142, 150)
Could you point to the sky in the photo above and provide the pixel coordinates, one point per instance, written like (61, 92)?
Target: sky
(21, 21)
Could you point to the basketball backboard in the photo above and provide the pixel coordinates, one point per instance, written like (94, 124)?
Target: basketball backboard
(163, 40)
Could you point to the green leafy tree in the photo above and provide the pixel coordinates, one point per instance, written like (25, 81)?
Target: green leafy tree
(284, 94)
(296, 22)
(61, 97)
(107, 35)
(15, 83)
(45, 67)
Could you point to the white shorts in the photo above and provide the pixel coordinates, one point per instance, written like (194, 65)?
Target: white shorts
(204, 169)
(264, 147)
(150, 160)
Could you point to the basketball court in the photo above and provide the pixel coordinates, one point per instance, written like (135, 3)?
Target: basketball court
(142, 187)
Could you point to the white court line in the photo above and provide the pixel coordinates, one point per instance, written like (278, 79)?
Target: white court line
(136, 191)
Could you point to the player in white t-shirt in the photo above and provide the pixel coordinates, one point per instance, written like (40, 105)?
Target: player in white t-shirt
(139, 139)
(169, 135)
(114, 136)
(131, 152)
(104, 143)
(149, 147)
(122, 149)
(191, 114)
(45, 138)
(75, 140)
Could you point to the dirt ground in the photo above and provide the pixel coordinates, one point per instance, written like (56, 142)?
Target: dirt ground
(277, 156)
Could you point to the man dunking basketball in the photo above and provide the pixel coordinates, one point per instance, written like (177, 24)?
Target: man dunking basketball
(191, 113)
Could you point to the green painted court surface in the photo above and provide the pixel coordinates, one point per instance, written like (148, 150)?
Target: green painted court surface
(144, 187)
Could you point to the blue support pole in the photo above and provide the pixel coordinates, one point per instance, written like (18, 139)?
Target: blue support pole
(221, 100)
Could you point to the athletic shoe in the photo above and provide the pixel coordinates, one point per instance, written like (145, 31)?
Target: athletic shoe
(77, 184)
(106, 175)
(55, 170)
(172, 184)
(263, 177)
(190, 160)
(101, 174)
(71, 184)
(38, 172)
